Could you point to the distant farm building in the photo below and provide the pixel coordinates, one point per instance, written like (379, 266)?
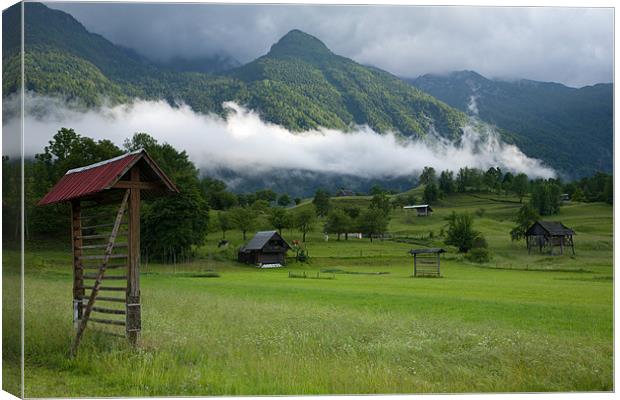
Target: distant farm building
(344, 193)
(564, 197)
(266, 247)
(427, 262)
(423, 210)
(549, 235)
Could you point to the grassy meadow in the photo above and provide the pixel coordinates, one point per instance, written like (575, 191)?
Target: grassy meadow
(518, 323)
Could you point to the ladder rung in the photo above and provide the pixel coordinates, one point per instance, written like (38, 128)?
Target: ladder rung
(111, 266)
(111, 288)
(108, 310)
(111, 224)
(111, 277)
(107, 321)
(120, 335)
(101, 236)
(101, 246)
(101, 257)
(114, 299)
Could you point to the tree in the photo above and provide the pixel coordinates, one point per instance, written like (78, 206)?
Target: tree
(493, 179)
(519, 186)
(373, 221)
(171, 226)
(526, 216)
(431, 193)
(279, 218)
(321, 202)
(244, 219)
(546, 197)
(216, 194)
(381, 202)
(266, 194)
(297, 201)
(446, 182)
(304, 220)
(428, 176)
(338, 222)
(460, 232)
(284, 200)
(507, 182)
(225, 223)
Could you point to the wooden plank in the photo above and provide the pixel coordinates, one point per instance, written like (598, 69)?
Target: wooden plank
(133, 274)
(106, 288)
(111, 266)
(101, 246)
(110, 225)
(110, 277)
(96, 287)
(108, 311)
(103, 257)
(138, 185)
(111, 299)
(108, 321)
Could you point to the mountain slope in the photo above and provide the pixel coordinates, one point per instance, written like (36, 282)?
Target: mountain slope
(338, 92)
(571, 129)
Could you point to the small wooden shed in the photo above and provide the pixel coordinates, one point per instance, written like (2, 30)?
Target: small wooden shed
(424, 210)
(105, 230)
(427, 262)
(266, 247)
(549, 235)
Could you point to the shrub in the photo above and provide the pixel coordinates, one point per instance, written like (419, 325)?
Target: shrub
(479, 255)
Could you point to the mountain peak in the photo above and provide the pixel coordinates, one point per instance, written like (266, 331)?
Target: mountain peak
(299, 44)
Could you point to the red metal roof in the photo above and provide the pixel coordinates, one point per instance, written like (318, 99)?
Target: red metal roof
(85, 181)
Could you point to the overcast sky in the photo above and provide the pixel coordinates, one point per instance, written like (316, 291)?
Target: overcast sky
(573, 46)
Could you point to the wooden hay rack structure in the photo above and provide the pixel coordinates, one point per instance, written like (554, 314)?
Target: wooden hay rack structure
(105, 234)
(427, 262)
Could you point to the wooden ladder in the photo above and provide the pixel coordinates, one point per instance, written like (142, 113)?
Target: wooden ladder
(100, 275)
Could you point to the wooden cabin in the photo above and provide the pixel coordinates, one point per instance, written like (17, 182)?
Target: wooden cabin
(423, 210)
(549, 235)
(266, 247)
(105, 203)
(427, 262)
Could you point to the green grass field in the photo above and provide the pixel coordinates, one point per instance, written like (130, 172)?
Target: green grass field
(518, 323)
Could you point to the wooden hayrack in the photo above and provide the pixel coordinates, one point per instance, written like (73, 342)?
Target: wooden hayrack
(106, 238)
(427, 262)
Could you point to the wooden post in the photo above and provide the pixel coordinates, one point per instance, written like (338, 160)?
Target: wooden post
(438, 265)
(78, 270)
(415, 264)
(133, 319)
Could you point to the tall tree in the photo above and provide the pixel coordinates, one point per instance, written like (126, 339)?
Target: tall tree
(373, 221)
(338, 222)
(244, 219)
(225, 223)
(321, 202)
(428, 176)
(526, 216)
(460, 232)
(519, 186)
(279, 218)
(431, 193)
(446, 182)
(304, 220)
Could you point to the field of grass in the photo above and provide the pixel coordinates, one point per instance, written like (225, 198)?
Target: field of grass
(518, 323)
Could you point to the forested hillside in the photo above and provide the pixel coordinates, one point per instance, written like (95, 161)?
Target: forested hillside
(571, 129)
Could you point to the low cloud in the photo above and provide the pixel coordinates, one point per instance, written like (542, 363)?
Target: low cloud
(244, 143)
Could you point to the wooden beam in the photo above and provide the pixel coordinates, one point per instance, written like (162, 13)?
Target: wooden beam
(137, 185)
(133, 318)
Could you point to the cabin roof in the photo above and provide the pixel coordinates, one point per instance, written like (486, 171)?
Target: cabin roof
(553, 228)
(431, 250)
(80, 183)
(261, 238)
(418, 206)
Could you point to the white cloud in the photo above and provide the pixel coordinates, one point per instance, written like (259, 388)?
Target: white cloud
(245, 143)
